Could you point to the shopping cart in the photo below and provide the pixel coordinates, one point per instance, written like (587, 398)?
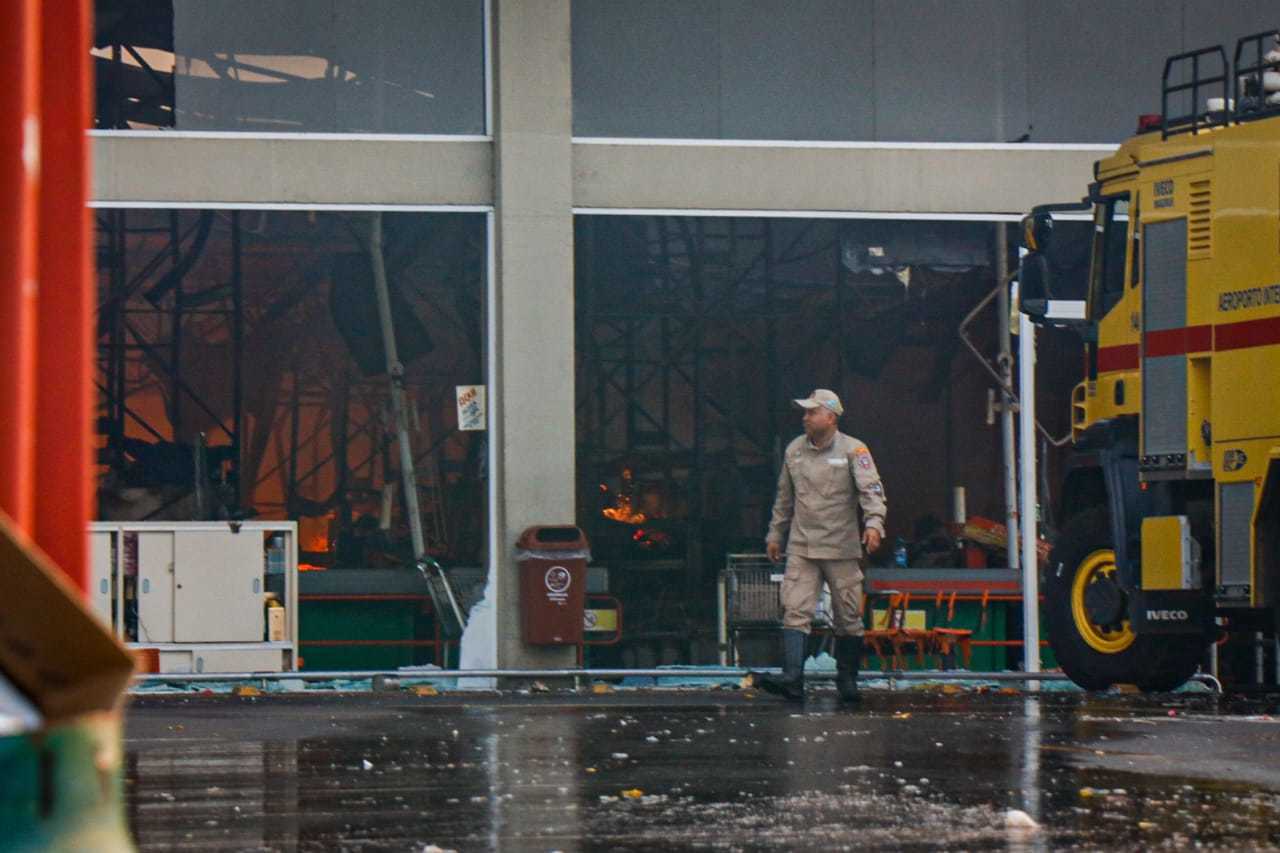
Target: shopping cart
(750, 598)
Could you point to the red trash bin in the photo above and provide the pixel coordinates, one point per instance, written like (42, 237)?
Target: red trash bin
(553, 584)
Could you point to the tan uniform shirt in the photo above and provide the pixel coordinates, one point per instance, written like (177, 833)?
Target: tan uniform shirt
(819, 493)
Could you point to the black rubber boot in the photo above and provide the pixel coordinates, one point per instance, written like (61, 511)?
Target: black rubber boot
(790, 685)
(848, 661)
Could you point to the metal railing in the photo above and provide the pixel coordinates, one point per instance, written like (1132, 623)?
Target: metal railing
(1195, 119)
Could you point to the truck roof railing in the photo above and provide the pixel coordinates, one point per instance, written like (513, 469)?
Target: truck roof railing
(1201, 64)
(1250, 95)
(1194, 79)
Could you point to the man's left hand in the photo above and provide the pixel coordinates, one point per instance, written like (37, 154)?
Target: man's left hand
(871, 539)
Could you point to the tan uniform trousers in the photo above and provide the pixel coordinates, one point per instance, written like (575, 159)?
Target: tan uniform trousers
(802, 584)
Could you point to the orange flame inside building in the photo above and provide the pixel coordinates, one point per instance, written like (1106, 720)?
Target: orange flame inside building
(623, 509)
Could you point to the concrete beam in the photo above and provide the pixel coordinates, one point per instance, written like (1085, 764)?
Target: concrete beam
(1010, 179)
(533, 351)
(170, 167)
(892, 179)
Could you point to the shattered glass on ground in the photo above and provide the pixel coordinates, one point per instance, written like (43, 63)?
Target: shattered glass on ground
(702, 770)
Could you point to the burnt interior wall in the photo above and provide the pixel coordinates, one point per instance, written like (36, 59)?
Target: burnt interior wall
(695, 333)
(321, 66)
(257, 330)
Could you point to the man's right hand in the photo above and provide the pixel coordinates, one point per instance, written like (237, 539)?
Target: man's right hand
(774, 550)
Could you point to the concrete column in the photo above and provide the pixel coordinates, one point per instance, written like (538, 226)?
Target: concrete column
(533, 444)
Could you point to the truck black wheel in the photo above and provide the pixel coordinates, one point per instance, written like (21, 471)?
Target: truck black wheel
(1085, 609)
(1172, 661)
(1086, 616)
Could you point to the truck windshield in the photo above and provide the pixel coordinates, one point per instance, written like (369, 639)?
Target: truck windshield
(1110, 239)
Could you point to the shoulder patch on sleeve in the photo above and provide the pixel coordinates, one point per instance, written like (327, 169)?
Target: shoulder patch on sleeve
(864, 458)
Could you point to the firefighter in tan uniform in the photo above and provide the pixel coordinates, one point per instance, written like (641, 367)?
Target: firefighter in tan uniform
(826, 478)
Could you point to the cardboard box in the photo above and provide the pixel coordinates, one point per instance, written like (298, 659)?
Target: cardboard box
(275, 624)
(61, 783)
(53, 649)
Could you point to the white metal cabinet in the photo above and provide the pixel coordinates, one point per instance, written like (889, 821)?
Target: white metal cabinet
(217, 593)
(155, 586)
(215, 622)
(223, 657)
(101, 559)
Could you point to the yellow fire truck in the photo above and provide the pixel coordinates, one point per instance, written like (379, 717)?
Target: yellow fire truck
(1170, 500)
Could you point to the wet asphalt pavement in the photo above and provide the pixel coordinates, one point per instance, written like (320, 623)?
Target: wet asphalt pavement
(702, 770)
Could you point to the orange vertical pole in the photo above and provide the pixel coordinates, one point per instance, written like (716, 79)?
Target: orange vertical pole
(64, 354)
(19, 174)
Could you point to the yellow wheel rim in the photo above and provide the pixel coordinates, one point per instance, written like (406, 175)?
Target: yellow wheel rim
(1098, 567)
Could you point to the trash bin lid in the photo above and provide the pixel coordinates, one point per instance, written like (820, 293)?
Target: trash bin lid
(552, 537)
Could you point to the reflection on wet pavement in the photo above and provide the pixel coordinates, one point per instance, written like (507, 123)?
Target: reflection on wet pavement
(700, 770)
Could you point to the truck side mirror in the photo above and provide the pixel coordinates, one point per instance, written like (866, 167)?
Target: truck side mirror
(1034, 285)
(1035, 279)
(1037, 231)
